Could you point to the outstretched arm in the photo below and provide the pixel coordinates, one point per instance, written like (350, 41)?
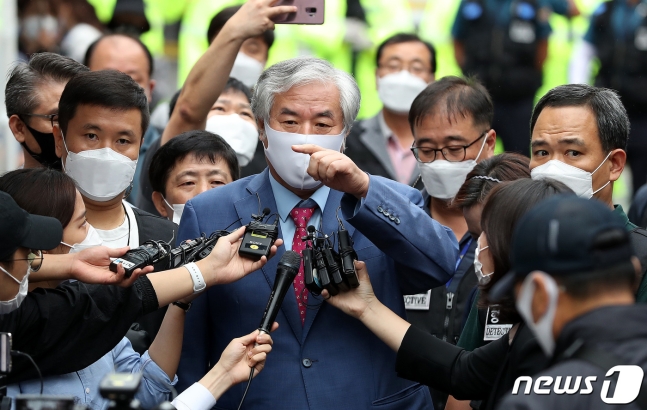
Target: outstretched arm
(209, 76)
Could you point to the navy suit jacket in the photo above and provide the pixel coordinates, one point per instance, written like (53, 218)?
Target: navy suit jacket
(332, 361)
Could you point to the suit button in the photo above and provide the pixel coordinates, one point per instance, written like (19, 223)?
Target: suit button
(380, 209)
(392, 218)
(306, 363)
(397, 221)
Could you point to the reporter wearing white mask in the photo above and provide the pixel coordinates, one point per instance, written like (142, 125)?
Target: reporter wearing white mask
(102, 119)
(380, 145)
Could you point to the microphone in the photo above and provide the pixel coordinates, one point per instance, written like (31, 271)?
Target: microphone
(286, 271)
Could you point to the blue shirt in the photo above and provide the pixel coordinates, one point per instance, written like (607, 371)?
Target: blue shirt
(625, 20)
(286, 200)
(500, 9)
(84, 384)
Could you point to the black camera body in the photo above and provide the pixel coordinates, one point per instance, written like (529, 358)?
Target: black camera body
(153, 252)
(259, 237)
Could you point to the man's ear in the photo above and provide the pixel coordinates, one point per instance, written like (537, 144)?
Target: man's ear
(540, 299)
(18, 128)
(261, 131)
(617, 161)
(490, 143)
(151, 87)
(158, 201)
(58, 140)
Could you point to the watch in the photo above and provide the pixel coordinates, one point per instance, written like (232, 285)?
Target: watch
(198, 280)
(184, 306)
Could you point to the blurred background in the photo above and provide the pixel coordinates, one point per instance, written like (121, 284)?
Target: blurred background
(175, 31)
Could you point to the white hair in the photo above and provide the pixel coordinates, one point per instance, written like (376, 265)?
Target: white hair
(297, 72)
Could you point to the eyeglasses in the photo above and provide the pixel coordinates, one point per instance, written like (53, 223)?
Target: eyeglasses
(416, 68)
(453, 153)
(51, 117)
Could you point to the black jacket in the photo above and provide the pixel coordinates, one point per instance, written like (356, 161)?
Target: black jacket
(486, 373)
(68, 328)
(618, 330)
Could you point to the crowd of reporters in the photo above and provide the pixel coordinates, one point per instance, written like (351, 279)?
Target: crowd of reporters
(475, 270)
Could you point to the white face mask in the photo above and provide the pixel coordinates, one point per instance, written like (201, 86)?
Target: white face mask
(241, 135)
(442, 179)
(92, 239)
(13, 304)
(292, 166)
(580, 181)
(478, 267)
(397, 91)
(543, 330)
(177, 210)
(100, 174)
(246, 69)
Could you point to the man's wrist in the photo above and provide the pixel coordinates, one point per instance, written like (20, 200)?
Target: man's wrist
(208, 272)
(364, 190)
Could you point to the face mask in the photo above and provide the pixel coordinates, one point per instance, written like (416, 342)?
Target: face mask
(92, 239)
(543, 330)
(100, 174)
(177, 211)
(478, 267)
(442, 179)
(45, 141)
(580, 181)
(246, 69)
(239, 134)
(292, 166)
(397, 91)
(13, 304)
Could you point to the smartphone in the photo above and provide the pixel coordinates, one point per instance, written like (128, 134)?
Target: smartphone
(308, 12)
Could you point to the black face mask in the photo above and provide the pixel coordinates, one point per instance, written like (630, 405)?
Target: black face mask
(45, 141)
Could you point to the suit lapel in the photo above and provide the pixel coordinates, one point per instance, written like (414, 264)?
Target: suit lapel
(245, 208)
(374, 141)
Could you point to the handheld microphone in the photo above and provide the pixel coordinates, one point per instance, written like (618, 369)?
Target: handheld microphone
(285, 273)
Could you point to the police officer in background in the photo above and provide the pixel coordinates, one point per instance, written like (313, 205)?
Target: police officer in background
(617, 36)
(505, 43)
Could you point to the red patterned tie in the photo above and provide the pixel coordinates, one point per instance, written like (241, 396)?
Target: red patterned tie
(301, 216)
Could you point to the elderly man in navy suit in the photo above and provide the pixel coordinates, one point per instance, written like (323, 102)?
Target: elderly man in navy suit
(322, 358)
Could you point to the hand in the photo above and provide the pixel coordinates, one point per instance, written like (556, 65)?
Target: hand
(255, 17)
(244, 353)
(92, 266)
(355, 301)
(335, 170)
(224, 265)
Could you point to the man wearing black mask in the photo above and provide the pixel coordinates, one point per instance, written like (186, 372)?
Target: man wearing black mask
(31, 96)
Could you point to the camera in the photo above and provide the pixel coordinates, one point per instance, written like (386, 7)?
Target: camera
(160, 252)
(259, 236)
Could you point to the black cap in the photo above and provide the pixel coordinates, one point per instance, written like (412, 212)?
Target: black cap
(21, 229)
(562, 236)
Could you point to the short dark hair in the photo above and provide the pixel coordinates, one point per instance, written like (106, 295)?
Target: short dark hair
(460, 96)
(232, 85)
(610, 114)
(218, 22)
(505, 206)
(90, 52)
(42, 191)
(504, 167)
(407, 38)
(105, 88)
(201, 144)
(21, 93)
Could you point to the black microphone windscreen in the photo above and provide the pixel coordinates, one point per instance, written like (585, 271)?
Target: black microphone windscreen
(291, 259)
(266, 211)
(311, 229)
